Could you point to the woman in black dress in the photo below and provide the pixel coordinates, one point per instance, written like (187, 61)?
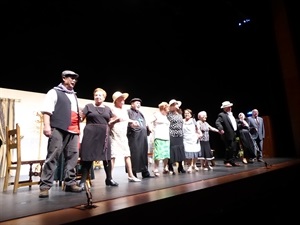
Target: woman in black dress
(95, 144)
(245, 139)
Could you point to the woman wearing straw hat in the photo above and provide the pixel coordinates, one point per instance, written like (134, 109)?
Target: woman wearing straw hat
(118, 133)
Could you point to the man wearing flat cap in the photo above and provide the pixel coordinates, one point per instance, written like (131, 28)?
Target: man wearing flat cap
(69, 73)
(136, 100)
(227, 125)
(138, 139)
(61, 125)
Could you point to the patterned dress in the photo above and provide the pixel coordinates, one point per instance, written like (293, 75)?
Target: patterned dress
(206, 152)
(177, 153)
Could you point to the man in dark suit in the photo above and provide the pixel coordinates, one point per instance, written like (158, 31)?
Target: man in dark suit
(257, 130)
(138, 139)
(227, 126)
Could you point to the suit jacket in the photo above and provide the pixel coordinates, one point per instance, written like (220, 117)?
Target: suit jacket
(223, 122)
(257, 130)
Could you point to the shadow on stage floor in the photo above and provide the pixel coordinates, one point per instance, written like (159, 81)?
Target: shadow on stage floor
(210, 193)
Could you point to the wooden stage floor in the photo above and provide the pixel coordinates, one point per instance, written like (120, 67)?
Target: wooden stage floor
(25, 207)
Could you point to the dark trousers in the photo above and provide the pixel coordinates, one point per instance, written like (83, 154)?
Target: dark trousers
(230, 151)
(259, 153)
(61, 142)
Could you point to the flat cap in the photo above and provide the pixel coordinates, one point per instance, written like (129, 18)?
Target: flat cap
(136, 99)
(66, 73)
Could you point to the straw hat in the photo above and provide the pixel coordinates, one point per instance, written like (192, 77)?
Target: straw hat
(119, 94)
(226, 104)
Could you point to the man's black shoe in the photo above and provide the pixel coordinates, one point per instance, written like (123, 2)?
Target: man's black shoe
(146, 174)
(149, 176)
(250, 160)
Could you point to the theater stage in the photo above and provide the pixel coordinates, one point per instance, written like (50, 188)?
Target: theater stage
(204, 195)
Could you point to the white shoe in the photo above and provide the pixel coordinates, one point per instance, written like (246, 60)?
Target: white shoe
(133, 179)
(156, 173)
(196, 168)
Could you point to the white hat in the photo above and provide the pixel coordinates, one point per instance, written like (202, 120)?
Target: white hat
(176, 102)
(226, 104)
(119, 94)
